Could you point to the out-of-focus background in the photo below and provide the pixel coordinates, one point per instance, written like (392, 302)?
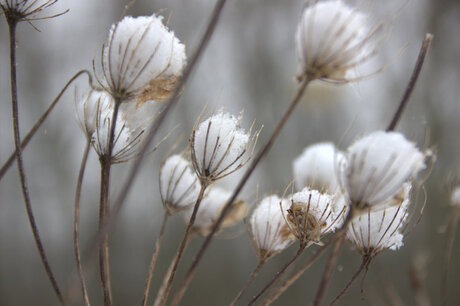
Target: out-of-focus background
(249, 65)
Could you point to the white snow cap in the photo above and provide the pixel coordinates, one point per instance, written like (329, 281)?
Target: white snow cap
(332, 38)
(220, 146)
(455, 197)
(270, 232)
(376, 230)
(311, 215)
(377, 167)
(317, 167)
(210, 208)
(142, 58)
(179, 186)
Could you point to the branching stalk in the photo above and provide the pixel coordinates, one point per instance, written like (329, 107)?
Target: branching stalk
(248, 282)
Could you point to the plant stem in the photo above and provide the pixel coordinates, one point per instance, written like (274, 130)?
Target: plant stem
(154, 259)
(278, 274)
(448, 253)
(180, 251)
(248, 282)
(40, 121)
(12, 23)
(241, 184)
(76, 232)
(413, 80)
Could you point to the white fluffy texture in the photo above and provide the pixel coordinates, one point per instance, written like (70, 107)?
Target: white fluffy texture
(86, 109)
(319, 205)
(332, 38)
(138, 50)
(219, 146)
(268, 225)
(377, 167)
(374, 231)
(455, 197)
(317, 167)
(179, 186)
(210, 208)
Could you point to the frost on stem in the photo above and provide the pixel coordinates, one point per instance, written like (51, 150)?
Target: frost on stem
(179, 186)
(311, 215)
(27, 10)
(270, 233)
(376, 230)
(377, 167)
(333, 38)
(141, 59)
(210, 209)
(317, 167)
(220, 147)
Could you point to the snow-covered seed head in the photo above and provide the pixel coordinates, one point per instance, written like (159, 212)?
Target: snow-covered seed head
(220, 147)
(317, 167)
(131, 123)
(179, 186)
(377, 167)
(142, 59)
(269, 230)
(331, 39)
(86, 110)
(376, 230)
(455, 198)
(310, 215)
(210, 208)
(27, 10)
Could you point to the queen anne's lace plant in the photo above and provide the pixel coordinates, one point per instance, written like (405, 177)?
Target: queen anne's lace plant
(377, 167)
(86, 110)
(27, 10)
(317, 167)
(210, 208)
(331, 39)
(142, 59)
(179, 186)
(270, 232)
(311, 215)
(220, 147)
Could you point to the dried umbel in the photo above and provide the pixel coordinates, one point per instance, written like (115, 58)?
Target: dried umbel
(179, 186)
(317, 167)
(331, 39)
(27, 10)
(220, 147)
(210, 208)
(311, 215)
(376, 230)
(377, 167)
(142, 59)
(86, 109)
(269, 230)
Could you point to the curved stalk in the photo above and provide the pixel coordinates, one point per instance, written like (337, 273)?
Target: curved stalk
(248, 282)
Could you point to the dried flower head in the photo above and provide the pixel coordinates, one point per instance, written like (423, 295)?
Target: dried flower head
(86, 110)
(220, 147)
(331, 39)
(376, 230)
(179, 186)
(210, 208)
(27, 10)
(310, 215)
(317, 167)
(269, 230)
(142, 59)
(377, 167)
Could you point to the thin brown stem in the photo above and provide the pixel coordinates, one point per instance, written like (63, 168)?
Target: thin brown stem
(40, 121)
(180, 251)
(12, 23)
(76, 223)
(364, 264)
(447, 254)
(413, 80)
(248, 282)
(278, 274)
(153, 261)
(241, 184)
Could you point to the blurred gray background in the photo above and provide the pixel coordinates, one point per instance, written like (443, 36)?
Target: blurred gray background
(249, 65)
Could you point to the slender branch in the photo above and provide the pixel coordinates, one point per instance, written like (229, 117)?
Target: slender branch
(154, 259)
(248, 282)
(413, 80)
(180, 251)
(12, 23)
(241, 184)
(278, 274)
(40, 121)
(76, 232)
(448, 253)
